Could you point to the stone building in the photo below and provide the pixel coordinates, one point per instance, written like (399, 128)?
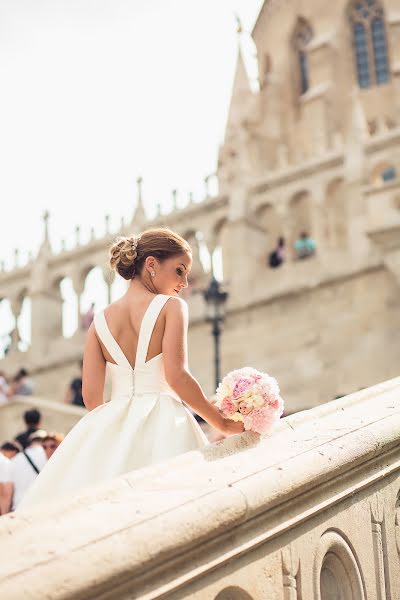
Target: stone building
(315, 148)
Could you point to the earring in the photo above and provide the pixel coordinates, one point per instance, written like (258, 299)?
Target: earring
(152, 273)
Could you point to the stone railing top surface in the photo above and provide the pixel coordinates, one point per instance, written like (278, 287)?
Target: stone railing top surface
(43, 404)
(133, 523)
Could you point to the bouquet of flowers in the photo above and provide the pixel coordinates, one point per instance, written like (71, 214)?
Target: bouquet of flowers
(252, 397)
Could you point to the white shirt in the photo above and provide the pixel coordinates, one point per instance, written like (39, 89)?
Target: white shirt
(23, 474)
(5, 469)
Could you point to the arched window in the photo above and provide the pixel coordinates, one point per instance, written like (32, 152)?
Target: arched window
(301, 38)
(369, 41)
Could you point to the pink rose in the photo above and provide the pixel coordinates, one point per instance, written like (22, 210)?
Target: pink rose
(227, 406)
(241, 387)
(260, 420)
(245, 408)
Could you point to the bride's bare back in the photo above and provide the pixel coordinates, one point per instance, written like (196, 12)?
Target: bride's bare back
(124, 318)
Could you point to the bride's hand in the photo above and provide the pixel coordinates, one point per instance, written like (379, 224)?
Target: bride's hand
(229, 427)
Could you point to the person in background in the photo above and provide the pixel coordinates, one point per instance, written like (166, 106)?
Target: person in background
(305, 246)
(51, 442)
(87, 318)
(4, 389)
(6, 487)
(26, 466)
(10, 449)
(32, 420)
(278, 255)
(73, 394)
(22, 384)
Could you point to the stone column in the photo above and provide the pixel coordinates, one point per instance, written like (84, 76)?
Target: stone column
(46, 301)
(46, 318)
(78, 282)
(377, 517)
(15, 305)
(316, 101)
(355, 172)
(107, 276)
(290, 568)
(394, 37)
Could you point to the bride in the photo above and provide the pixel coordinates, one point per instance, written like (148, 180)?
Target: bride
(141, 339)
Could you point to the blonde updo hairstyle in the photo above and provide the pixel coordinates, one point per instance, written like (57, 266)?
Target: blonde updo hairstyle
(128, 254)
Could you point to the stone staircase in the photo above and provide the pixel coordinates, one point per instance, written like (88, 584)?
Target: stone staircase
(311, 512)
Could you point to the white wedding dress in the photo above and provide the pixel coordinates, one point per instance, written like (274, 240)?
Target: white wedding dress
(144, 423)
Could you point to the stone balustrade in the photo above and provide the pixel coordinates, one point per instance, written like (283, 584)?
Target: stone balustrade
(311, 512)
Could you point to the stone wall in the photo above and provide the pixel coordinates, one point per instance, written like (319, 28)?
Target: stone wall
(311, 512)
(320, 343)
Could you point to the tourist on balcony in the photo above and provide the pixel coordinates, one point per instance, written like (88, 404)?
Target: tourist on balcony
(278, 255)
(73, 394)
(305, 246)
(51, 442)
(32, 420)
(87, 318)
(26, 466)
(22, 384)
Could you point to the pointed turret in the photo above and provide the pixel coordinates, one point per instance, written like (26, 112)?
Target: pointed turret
(139, 216)
(45, 246)
(241, 93)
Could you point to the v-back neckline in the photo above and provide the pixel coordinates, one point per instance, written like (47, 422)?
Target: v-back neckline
(139, 335)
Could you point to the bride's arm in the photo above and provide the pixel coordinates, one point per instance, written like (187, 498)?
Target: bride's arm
(94, 371)
(174, 349)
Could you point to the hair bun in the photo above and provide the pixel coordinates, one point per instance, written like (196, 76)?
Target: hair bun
(123, 254)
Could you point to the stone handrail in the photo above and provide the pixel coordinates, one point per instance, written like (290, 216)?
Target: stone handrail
(311, 512)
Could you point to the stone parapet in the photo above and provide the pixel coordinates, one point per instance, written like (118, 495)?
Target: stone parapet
(56, 416)
(309, 510)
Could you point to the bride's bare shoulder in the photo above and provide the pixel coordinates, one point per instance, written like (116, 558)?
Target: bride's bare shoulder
(176, 306)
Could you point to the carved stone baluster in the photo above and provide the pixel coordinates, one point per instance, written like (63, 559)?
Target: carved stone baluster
(290, 570)
(377, 516)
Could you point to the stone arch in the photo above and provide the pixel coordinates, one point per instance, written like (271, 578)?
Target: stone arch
(6, 325)
(336, 570)
(300, 215)
(218, 227)
(233, 592)
(196, 240)
(69, 305)
(335, 226)
(24, 323)
(382, 173)
(220, 263)
(199, 252)
(94, 291)
(269, 219)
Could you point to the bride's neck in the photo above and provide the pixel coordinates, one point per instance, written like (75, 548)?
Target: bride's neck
(139, 285)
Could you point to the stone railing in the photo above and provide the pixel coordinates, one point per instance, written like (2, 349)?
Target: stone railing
(312, 512)
(55, 416)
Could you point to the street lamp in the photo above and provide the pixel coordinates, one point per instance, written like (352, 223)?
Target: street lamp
(215, 300)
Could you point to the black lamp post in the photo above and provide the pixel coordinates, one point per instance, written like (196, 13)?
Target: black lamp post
(215, 300)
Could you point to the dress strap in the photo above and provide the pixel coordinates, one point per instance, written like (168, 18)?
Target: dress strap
(147, 326)
(108, 340)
